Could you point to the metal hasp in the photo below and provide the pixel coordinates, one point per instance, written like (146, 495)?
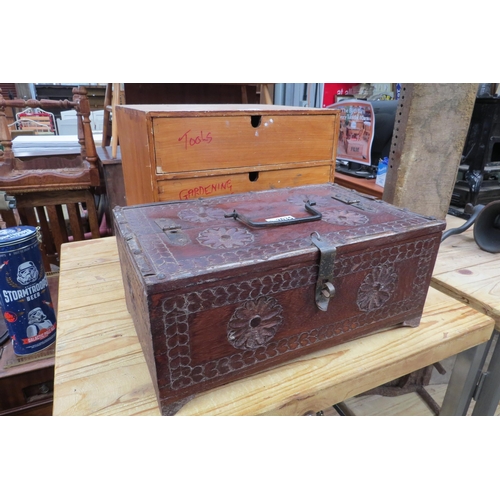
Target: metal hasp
(324, 286)
(173, 231)
(355, 201)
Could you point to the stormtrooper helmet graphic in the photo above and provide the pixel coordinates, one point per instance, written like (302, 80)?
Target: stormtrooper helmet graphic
(27, 273)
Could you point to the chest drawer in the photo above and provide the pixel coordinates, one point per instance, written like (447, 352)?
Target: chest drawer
(187, 144)
(164, 144)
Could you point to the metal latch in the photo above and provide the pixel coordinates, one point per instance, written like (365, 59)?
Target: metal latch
(172, 229)
(324, 284)
(355, 202)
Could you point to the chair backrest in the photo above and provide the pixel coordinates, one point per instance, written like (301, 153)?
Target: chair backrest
(41, 171)
(62, 216)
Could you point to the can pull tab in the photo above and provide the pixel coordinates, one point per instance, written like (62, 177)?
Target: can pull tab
(324, 286)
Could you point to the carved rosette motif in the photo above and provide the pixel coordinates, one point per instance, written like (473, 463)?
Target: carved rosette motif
(225, 237)
(201, 214)
(345, 217)
(255, 323)
(377, 288)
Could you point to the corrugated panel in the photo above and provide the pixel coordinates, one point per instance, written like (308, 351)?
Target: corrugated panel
(8, 90)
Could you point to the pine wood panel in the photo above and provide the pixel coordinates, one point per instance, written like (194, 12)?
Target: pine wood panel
(137, 162)
(100, 368)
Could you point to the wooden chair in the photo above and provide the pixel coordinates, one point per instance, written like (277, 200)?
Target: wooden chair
(56, 192)
(41, 170)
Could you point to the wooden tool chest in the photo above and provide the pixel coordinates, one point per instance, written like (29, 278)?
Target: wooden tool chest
(181, 152)
(220, 288)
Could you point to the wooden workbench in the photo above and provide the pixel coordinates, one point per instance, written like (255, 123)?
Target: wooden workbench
(472, 276)
(466, 272)
(100, 368)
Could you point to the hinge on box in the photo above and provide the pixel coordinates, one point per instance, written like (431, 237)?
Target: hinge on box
(353, 201)
(324, 287)
(173, 231)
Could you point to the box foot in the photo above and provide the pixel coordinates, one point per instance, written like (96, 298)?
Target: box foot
(171, 409)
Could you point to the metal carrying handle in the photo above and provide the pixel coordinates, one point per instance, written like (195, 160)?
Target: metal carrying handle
(280, 221)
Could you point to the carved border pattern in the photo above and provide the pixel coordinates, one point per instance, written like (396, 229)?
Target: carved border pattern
(259, 253)
(176, 312)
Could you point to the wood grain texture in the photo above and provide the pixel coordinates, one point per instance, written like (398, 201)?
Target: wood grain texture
(469, 274)
(100, 368)
(432, 120)
(137, 163)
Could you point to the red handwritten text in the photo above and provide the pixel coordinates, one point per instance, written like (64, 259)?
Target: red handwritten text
(193, 141)
(206, 190)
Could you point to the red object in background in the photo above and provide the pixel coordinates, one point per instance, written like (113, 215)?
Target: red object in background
(331, 90)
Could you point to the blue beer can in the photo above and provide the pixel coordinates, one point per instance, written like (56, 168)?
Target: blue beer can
(25, 297)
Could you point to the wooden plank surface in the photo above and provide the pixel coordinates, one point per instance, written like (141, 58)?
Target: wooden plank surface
(467, 273)
(100, 368)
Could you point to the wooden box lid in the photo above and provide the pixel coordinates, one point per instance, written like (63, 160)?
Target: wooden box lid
(173, 243)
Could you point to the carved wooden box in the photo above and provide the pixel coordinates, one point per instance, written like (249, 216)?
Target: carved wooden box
(220, 288)
(180, 152)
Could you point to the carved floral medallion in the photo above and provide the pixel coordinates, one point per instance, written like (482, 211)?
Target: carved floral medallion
(254, 323)
(345, 217)
(201, 214)
(225, 237)
(377, 288)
